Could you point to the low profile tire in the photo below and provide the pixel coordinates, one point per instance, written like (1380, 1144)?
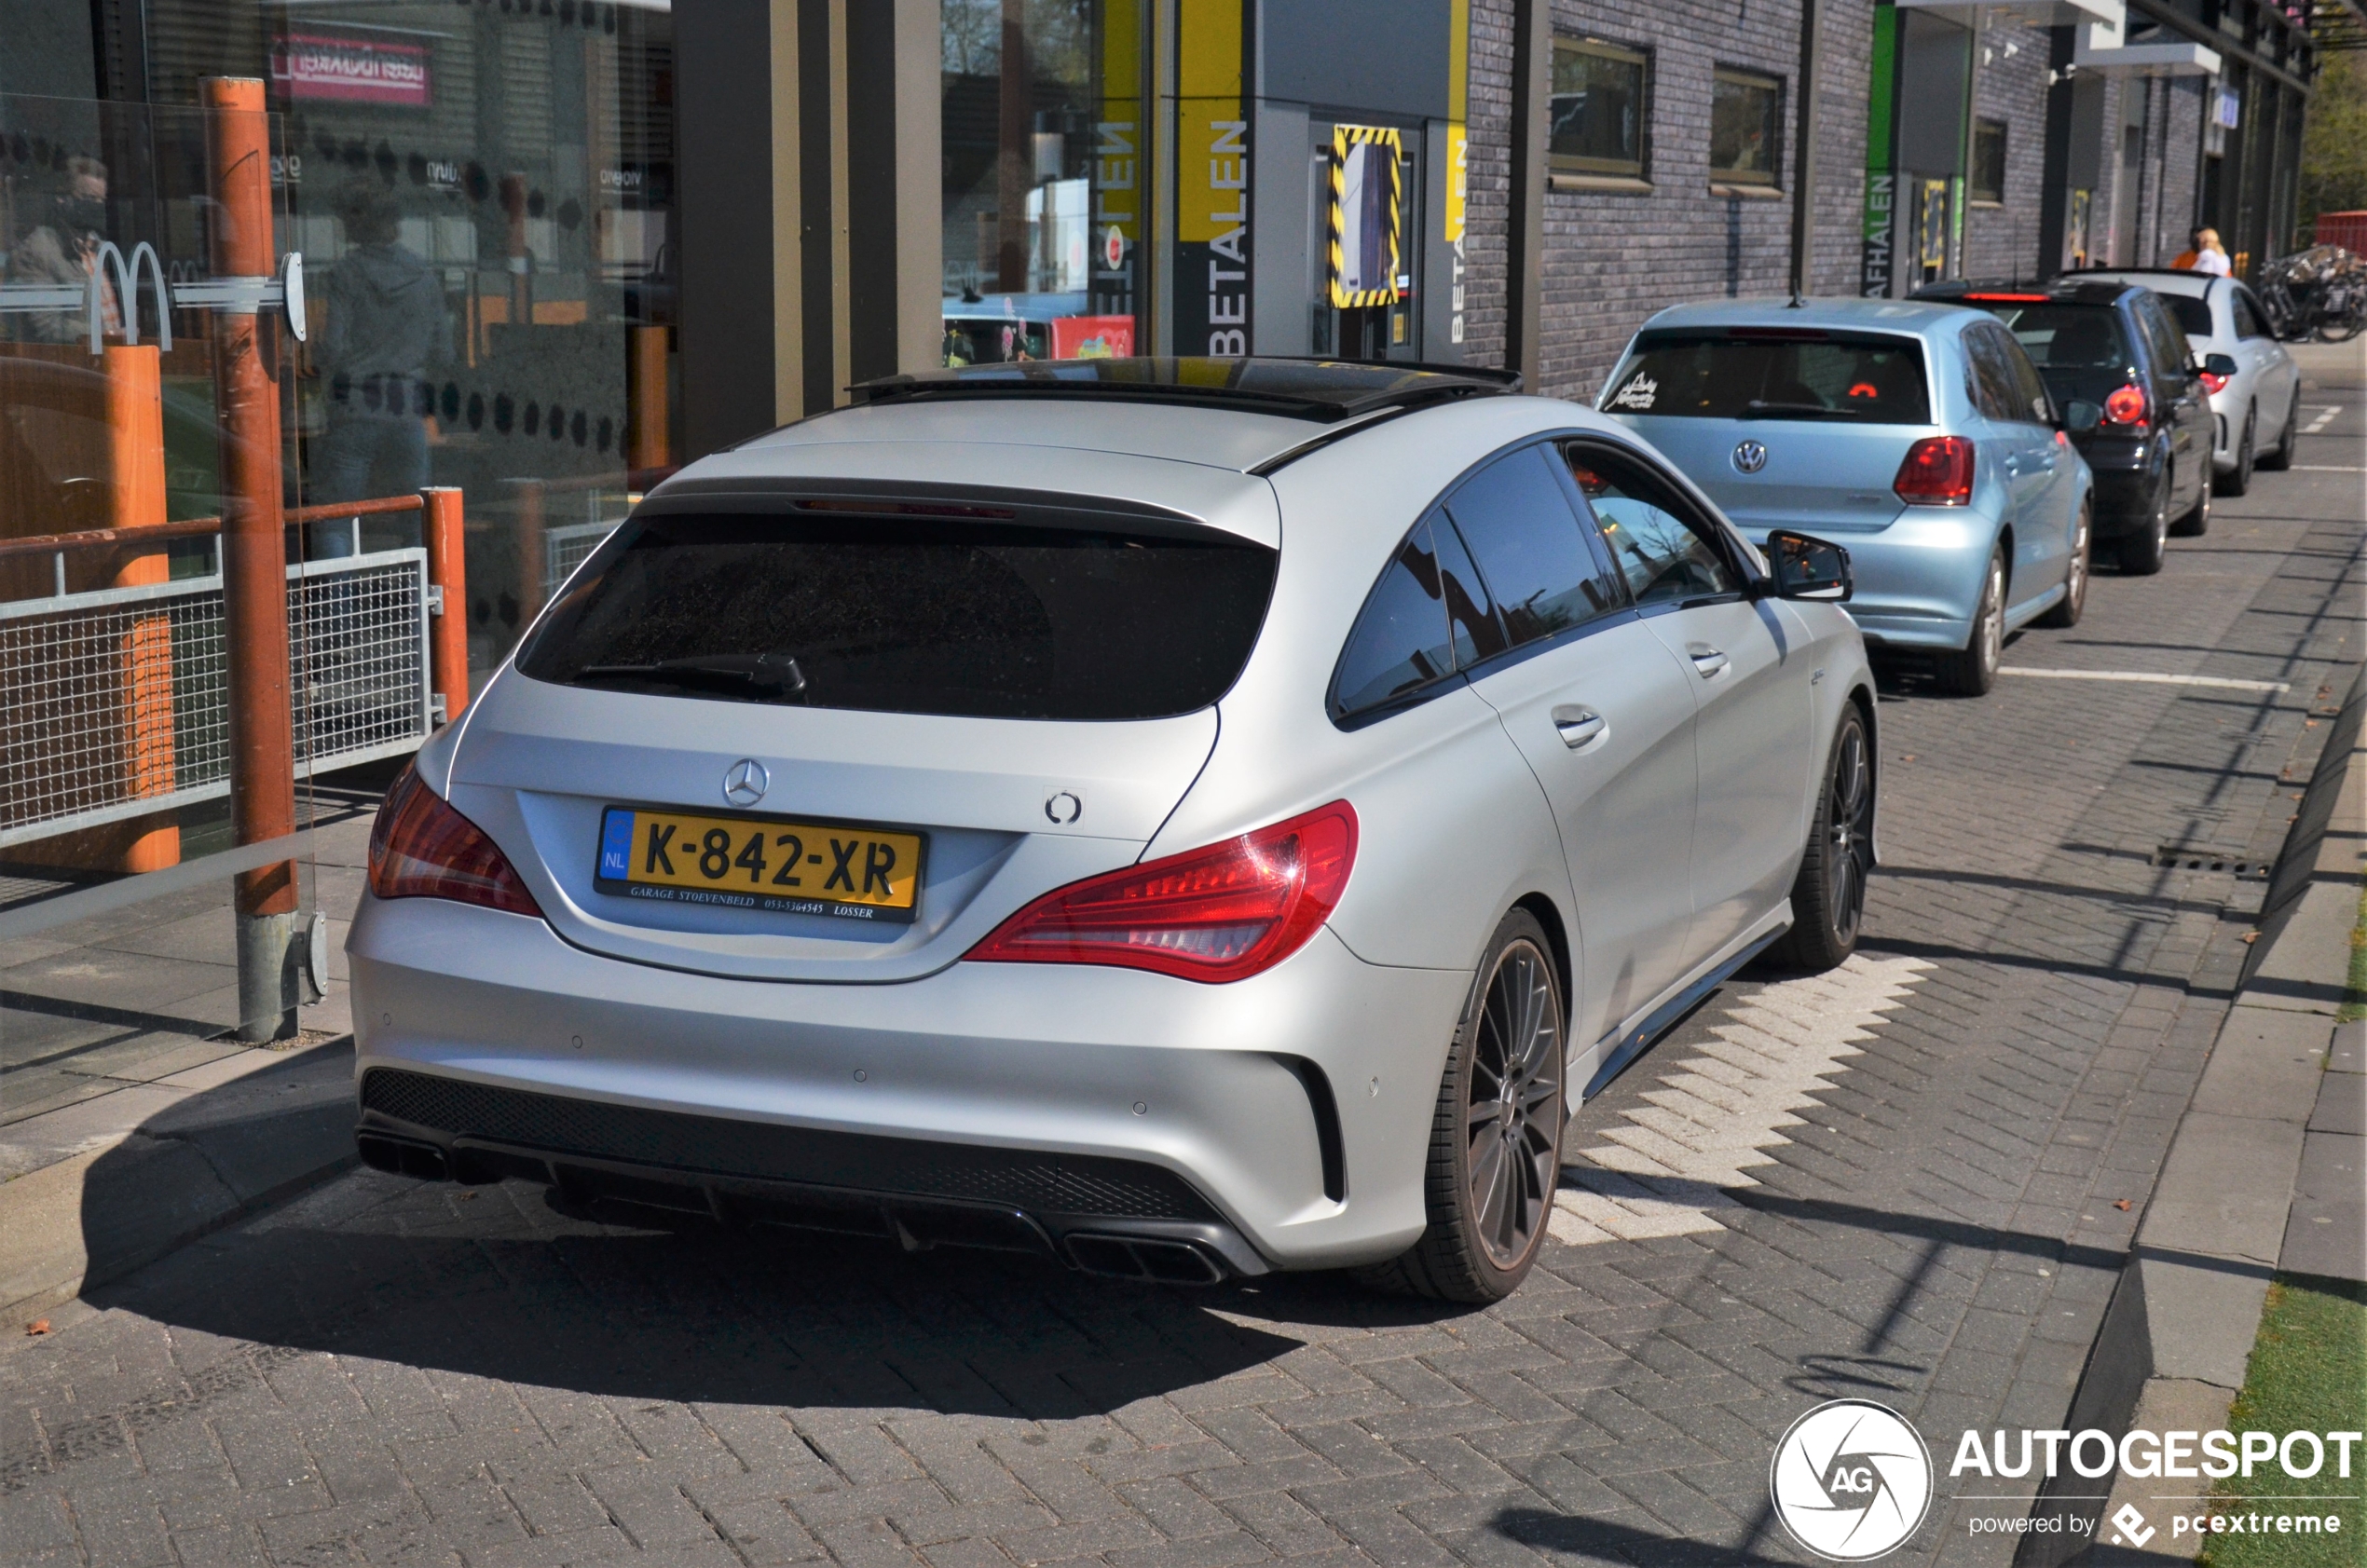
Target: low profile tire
(2140, 553)
(2073, 604)
(1496, 1141)
(2279, 457)
(1828, 897)
(2237, 480)
(2196, 521)
(1971, 670)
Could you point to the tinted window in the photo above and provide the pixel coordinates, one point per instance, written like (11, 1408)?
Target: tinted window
(2027, 383)
(2192, 314)
(1664, 557)
(1471, 618)
(2247, 316)
(1517, 520)
(2170, 352)
(2066, 336)
(1867, 377)
(1993, 388)
(904, 614)
(1399, 642)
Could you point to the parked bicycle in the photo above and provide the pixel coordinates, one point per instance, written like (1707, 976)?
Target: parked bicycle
(2320, 292)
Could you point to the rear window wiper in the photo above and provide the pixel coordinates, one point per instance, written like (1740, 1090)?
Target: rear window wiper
(1757, 410)
(778, 674)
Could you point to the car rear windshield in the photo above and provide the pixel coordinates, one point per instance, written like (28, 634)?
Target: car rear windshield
(911, 614)
(2063, 337)
(1738, 374)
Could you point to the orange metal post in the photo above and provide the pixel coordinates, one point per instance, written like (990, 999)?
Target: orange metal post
(531, 547)
(646, 391)
(448, 569)
(246, 371)
(135, 499)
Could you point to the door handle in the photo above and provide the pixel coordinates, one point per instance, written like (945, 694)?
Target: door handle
(1578, 726)
(1708, 660)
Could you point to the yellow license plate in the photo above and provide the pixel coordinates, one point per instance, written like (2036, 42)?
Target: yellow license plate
(771, 864)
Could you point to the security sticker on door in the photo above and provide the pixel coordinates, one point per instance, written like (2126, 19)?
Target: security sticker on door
(770, 863)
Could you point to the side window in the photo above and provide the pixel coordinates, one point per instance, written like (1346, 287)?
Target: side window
(1992, 375)
(2029, 389)
(2247, 318)
(1471, 620)
(1531, 546)
(2169, 342)
(1664, 558)
(1400, 641)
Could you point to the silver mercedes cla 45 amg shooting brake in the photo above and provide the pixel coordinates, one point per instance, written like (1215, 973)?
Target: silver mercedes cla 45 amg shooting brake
(1193, 818)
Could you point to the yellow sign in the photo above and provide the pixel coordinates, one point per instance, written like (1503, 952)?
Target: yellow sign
(1367, 214)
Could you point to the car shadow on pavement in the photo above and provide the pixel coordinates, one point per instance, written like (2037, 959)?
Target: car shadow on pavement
(504, 1282)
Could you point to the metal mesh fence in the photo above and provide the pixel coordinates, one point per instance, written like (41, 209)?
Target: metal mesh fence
(563, 550)
(117, 703)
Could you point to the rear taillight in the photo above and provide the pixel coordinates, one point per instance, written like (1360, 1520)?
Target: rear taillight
(2214, 384)
(2126, 406)
(1938, 470)
(1220, 913)
(421, 848)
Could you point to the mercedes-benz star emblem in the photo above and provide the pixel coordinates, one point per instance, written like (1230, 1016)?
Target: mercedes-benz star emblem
(1750, 455)
(746, 781)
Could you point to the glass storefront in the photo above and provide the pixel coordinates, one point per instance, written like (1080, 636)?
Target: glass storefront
(1045, 178)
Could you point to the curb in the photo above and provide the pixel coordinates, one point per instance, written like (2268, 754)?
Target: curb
(223, 1152)
(2172, 1350)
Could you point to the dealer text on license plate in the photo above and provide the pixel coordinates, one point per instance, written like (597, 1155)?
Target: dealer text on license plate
(760, 863)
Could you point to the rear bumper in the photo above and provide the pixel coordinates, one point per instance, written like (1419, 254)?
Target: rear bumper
(1279, 1121)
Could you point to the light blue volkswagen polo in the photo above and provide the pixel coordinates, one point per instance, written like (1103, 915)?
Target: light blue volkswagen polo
(1918, 436)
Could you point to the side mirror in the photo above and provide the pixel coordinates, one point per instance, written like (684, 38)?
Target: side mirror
(1808, 569)
(2220, 365)
(2080, 416)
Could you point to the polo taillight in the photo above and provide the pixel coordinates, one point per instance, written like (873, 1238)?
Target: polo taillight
(421, 848)
(2127, 405)
(1220, 913)
(1938, 470)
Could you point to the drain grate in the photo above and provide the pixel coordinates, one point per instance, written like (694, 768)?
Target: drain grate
(2189, 857)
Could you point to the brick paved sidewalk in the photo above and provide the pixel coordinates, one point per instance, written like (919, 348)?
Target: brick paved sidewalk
(386, 1372)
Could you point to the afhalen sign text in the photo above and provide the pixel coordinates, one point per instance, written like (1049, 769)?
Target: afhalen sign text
(351, 70)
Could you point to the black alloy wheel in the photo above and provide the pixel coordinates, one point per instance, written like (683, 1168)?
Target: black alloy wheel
(2073, 604)
(1496, 1137)
(1829, 895)
(2140, 553)
(2237, 480)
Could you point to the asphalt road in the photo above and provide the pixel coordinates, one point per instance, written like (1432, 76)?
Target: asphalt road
(1913, 1180)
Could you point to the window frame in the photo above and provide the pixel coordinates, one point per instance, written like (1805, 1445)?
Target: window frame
(1708, 523)
(1975, 193)
(1772, 179)
(1595, 168)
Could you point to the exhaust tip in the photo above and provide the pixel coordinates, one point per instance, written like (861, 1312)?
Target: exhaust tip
(1141, 1259)
(402, 1156)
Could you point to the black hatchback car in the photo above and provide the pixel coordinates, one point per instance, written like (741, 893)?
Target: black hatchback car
(2117, 363)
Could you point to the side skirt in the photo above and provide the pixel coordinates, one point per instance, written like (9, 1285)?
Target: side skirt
(1614, 1052)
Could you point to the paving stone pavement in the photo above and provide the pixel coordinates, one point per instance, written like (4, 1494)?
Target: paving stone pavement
(385, 1373)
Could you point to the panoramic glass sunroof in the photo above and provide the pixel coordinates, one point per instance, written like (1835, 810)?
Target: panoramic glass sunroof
(1325, 390)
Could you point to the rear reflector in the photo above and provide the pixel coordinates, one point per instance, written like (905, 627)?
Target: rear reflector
(421, 848)
(1938, 470)
(1220, 913)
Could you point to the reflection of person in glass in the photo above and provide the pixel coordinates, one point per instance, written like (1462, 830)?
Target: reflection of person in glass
(63, 250)
(387, 327)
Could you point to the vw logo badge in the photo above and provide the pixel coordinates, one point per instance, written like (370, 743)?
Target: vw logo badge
(746, 782)
(1750, 455)
(1851, 1480)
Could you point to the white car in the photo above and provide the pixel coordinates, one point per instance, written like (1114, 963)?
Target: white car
(2256, 404)
(1193, 818)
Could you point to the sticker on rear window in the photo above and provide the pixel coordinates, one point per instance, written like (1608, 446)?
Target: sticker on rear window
(1641, 392)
